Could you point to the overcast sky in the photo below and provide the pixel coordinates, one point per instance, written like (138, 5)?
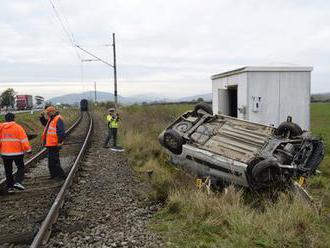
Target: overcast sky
(165, 47)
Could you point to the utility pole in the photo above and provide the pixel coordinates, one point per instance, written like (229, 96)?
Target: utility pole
(114, 68)
(95, 98)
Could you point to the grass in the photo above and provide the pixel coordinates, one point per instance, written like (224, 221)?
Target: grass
(191, 218)
(31, 122)
(139, 132)
(320, 125)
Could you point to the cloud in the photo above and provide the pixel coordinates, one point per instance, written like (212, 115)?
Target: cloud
(174, 43)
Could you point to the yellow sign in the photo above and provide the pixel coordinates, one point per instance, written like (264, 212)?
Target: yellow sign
(199, 183)
(301, 181)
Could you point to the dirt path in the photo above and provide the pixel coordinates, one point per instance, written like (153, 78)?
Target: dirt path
(105, 208)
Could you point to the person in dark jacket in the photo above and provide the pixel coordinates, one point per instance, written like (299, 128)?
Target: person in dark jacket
(53, 138)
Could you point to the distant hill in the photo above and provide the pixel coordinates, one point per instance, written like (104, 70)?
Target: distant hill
(76, 97)
(206, 98)
(106, 96)
(148, 97)
(323, 97)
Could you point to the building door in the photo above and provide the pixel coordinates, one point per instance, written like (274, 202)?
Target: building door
(228, 101)
(232, 92)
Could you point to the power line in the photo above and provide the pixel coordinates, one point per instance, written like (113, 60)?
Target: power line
(54, 21)
(61, 22)
(96, 57)
(65, 27)
(68, 33)
(114, 65)
(66, 21)
(70, 36)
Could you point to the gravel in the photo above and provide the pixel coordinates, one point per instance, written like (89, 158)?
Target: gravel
(108, 206)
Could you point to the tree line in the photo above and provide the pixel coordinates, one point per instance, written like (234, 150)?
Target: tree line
(7, 98)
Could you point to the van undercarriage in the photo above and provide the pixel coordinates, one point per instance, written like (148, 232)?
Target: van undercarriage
(241, 152)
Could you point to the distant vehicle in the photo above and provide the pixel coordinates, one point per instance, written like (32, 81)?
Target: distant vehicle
(39, 100)
(40, 106)
(231, 150)
(24, 102)
(84, 105)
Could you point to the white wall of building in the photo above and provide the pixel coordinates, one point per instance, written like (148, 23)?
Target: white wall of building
(266, 86)
(280, 92)
(295, 97)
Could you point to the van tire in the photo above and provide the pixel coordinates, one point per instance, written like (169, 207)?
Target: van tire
(173, 141)
(266, 173)
(205, 107)
(285, 127)
(317, 156)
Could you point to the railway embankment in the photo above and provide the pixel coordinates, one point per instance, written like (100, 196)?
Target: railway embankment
(108, 206)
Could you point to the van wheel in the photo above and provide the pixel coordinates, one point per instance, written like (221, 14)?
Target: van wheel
(290, 128)
(173, 141)
(316, 157)
(205, 107)
(183, 126)
(266, 173)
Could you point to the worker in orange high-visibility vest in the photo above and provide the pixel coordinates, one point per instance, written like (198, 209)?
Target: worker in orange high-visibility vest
(13, 144)
(52, 138)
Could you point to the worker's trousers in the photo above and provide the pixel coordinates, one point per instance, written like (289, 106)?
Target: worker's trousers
(8, 163)
(112, 134)
(54, 163)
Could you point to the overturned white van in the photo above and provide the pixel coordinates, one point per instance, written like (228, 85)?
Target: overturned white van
(241, 152)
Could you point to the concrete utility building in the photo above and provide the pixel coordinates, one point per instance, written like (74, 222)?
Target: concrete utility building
(264, 94)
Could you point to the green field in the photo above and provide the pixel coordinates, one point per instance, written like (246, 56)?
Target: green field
(191, 218)
(320, 124)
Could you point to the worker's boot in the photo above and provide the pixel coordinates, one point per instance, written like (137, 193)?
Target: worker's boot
(19, 186)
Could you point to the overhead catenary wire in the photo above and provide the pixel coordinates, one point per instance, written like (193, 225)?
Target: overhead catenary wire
(66, 21)
(69, 34)
(66, 28)
(60, 34)
(59, 18)
(94, 56)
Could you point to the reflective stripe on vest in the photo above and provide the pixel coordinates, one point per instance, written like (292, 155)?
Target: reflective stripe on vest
(13, 140)
(112, 123)
(12, 153)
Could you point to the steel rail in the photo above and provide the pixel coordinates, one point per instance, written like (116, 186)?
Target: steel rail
(41, 152)
(45, 229)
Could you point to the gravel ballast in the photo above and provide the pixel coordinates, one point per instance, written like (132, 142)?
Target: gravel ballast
(108, 206)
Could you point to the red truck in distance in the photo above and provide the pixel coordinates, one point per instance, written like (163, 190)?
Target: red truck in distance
(24, 102)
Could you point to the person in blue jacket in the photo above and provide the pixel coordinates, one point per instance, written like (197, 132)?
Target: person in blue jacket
(53, 138)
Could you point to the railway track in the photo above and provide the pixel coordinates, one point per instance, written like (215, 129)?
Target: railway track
(26, 217)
